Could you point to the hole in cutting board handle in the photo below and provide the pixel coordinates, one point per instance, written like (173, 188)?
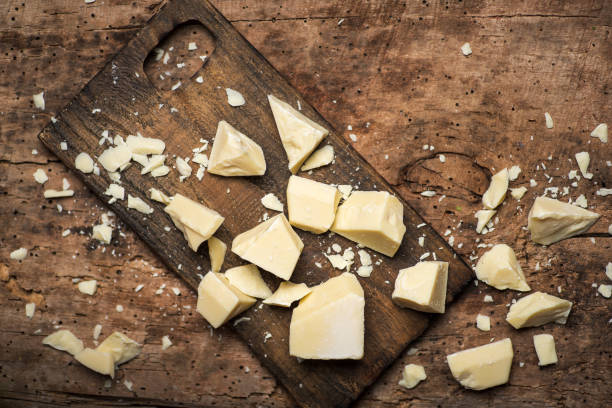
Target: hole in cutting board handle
(172, 60)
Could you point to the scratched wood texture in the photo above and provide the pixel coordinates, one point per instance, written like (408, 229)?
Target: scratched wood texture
(123, 100)
(394, 66)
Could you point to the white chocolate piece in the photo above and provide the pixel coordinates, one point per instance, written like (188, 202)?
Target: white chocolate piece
(84, 163)
(19, 254)
(39, 100)
(115, 191)
(234, 98)
(412, 375)
(482, 367)
(287, 293)
(549, 121)
(299, 134)
(58, 193)
(498, 267)
(218, 301)
(605, 290)
(271, 202)
(145, 145)
(103, 233)
(216, 252)
(99, 361)
(496, 192)
(584, 159)
(545, 349)
(160, 171)
(155, 163)
(96, 331)
(422, 287)
(159, 196)
(40, 176)
(64, 340)
(30, 308)
(311, 205)
(166, 343)
(139, 204)
(328, 324)
(272, 245)
(374, 219)
(88, 287)
(183, 167)
(601, 132)
(538, 309)
(483, 216)
(200, 158)
(114, 158)
(248, 280)
(321, 157)
(120, 347)
(196, 221)
(235, 154)
(466, 49)
(141, 159)
(483, 322)
(518, 193)
(551, 220)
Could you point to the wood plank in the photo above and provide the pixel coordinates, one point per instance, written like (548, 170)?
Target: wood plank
(118, 92)
(58, 46)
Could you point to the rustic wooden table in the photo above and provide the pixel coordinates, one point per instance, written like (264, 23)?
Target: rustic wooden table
(394, 73)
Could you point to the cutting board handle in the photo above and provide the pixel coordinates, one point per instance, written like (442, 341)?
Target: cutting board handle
(174, 14)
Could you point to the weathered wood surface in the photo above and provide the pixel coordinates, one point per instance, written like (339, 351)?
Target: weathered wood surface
(393, 65)
(125, 101)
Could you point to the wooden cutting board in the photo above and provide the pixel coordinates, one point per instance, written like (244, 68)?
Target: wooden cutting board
(124, 100)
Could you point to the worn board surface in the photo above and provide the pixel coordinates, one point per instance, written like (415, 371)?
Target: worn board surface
(394, 65)
(123, 100)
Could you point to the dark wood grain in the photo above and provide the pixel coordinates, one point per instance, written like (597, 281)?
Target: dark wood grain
(123, 88)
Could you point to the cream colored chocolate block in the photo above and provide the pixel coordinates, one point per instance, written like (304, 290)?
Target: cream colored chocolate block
(374, 219)
(299, 135)
(99, 361)
(113, 158)
(518, 193)
(321, 157)
(498, 267)
(545, 349)
(84, 163)
(601, 132)
(145, 145)
(234, 154)
(272, 245)
(196, 221)
(287, 293)
(482, 367)
(102, 233)
(216, 252)
(483, 216)
(551, 220)
(422, 287)
(328, 324)
(159, 196)
(496, 192)
(538, 309)
(40, 176)
(311, 205)
(155, 163)
(584, 159)
(412, 375)
(218, 301)
(115, 191)
(88, 287)
(64, 340)
(120, 347)
(483, 322)
(248, 280)
(138, 204)
(58, 193)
